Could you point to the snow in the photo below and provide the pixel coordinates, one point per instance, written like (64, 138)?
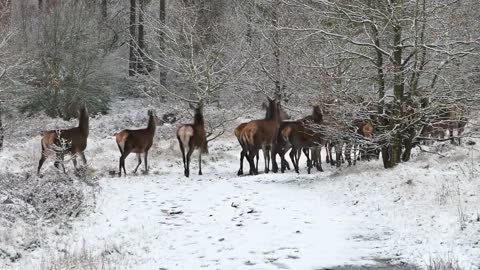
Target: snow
(421, 210)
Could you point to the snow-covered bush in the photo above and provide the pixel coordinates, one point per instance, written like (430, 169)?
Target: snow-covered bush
(66, 57)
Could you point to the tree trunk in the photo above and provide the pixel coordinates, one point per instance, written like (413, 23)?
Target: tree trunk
(398, 100)
(104, 9)
(141, 68)
(163, 71)
(2, 130)
(132, 65)
(276, 51)
(418, 66)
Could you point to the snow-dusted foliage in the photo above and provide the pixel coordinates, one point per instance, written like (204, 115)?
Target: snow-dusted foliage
(397, 88)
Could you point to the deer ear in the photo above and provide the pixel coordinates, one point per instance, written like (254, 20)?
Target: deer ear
(191, 106)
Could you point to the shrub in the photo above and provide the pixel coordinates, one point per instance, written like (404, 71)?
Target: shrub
(67, 63)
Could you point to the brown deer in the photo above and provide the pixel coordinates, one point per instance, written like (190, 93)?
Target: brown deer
(364, 130)
(262, 134)
(302, 135)
(238, 133)
(191, 137)
(137, 141)
(66, 141)
(283, 146)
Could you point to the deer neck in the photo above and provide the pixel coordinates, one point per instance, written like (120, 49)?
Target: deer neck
(198, 120)
(151, 124)
(83, 123)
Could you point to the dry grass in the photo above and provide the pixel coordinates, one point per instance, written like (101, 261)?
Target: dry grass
(448, 263)
(83, 259)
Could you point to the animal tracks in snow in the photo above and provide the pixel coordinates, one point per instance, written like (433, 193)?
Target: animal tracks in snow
(226, 223)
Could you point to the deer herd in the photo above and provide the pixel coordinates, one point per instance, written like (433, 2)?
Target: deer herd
(274, 135)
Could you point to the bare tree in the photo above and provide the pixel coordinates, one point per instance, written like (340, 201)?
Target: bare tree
(132, 64)
(401, 40)
(163, 16)
(104, 8)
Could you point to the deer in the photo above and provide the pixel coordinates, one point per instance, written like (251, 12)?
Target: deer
(300, 135)
(191, 137)
(66, 141)
(262, 134)
(364, 130)
(138, 141)
(238, 133)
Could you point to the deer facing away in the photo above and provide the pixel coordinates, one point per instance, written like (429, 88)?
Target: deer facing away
(137, 141)
(191, 137)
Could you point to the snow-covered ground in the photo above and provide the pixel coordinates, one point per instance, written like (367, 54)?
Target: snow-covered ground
(420, 211)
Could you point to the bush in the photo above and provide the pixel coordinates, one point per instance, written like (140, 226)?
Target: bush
(67, 63)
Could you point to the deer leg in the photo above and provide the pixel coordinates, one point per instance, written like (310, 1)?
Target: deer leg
(319, 158)
(139, 158)
(59, 162)
(41, 161)
(200, 162)
(329, 154)
(348, 154)
(252, 153)
(307, 151)
(126, 152)
(292, 155)
(146, 162)
(84, 160)
(284, 164)
(189, 154)
(257, 156)
(267, 158)
(242, 156)
(274, 153)
(355, 149)
(74, 161)
(327, 159)
(450, 132)
(182, 149)
(264, 151)
(338, 153)
(298, 154)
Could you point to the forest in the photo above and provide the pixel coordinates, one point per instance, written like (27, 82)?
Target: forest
(385, 93)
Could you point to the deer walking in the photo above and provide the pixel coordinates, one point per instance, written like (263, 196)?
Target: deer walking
(300, 135)
(239, 133)
(262, 134)
(137, 141)
(66, 141)
(191, 137)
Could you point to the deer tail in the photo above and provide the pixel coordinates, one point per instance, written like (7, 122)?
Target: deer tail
(184, 134)
(286, 134)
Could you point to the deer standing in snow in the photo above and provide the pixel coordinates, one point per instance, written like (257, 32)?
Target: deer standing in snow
(191, 137)
(138, 141)
(262, 134)
(66, 141)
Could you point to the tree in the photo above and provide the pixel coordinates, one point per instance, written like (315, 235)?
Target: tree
(162, 17)
(400, 40)
(104, 8)
(65, 59)
(132, 64)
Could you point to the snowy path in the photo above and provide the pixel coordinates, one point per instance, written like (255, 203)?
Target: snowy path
(240, 223)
